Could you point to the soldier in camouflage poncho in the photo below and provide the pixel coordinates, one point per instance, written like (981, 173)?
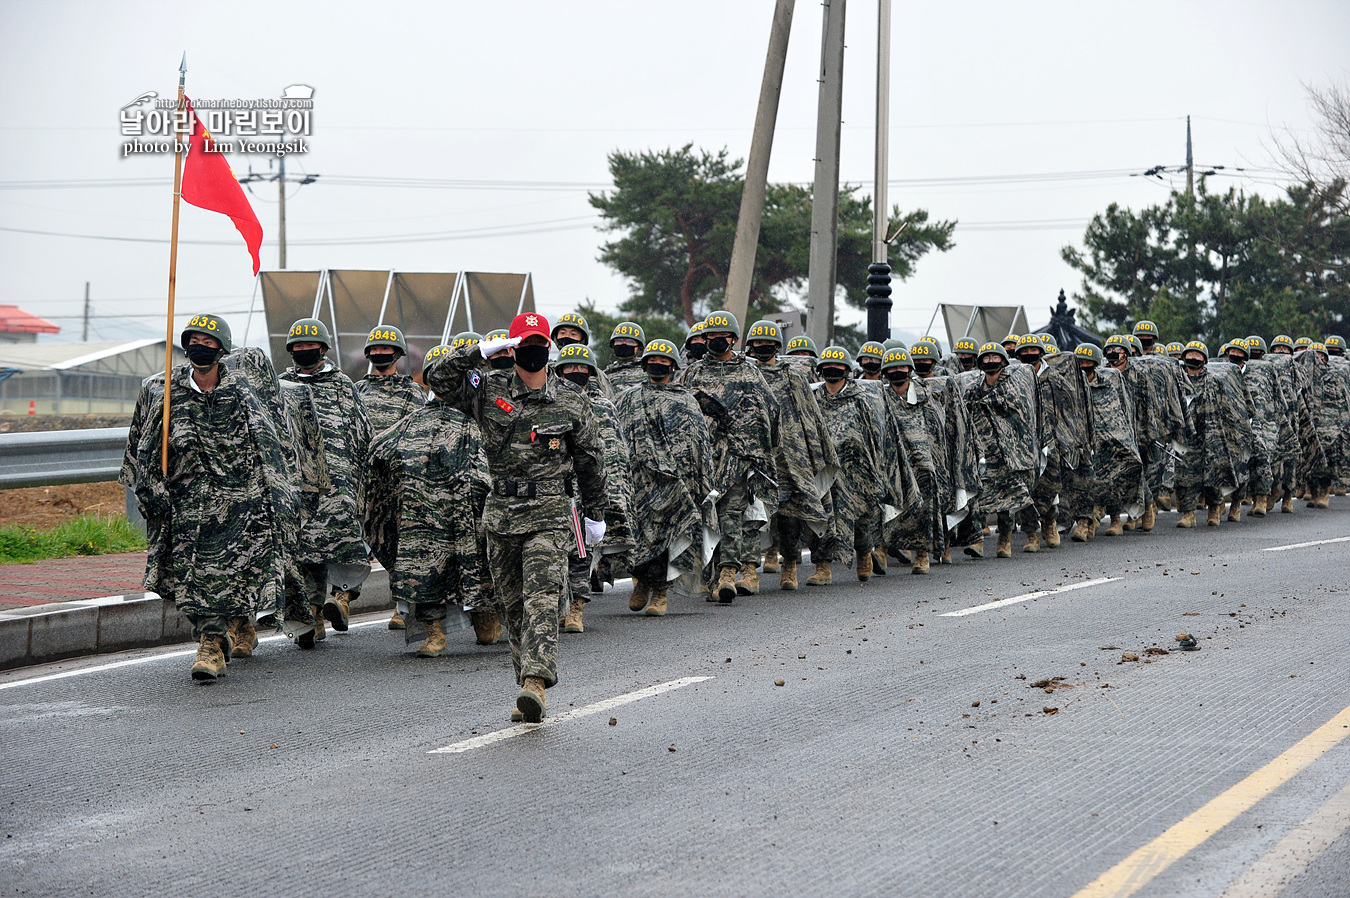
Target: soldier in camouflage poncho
(1114, 479)
(918, 481)
(1146, 417)
(959, 453)
(670, 453)
(332, 547)
(1065, 438)
(626, 369)
(855, 429)
(1218, 450)
(1329, 411)
(545, 456)
(428, 483)
(1285, 379)
(741, 416)
(218, 521)
(806, 462)
(1262, 385)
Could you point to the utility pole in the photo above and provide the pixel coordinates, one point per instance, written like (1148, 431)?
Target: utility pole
(825, 193)
(85, 337)
(281, 179)
(879, 272)
(1190, 161)
(757, 168)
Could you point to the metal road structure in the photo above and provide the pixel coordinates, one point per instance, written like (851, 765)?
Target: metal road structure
(428, 306)
(54, 457)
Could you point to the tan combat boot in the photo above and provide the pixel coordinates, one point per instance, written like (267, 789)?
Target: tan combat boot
(879, 561)
(821, 576)
(1050, 534)
(1287, 502)
(920, 563)
(243, 637)
(1150, 517)
(726, 585)
(946, 558)
(747, 584)
(864, 567)
(434, 645)
(530, 702)
(657, 606)
(771, 560)
(1117, 526)
(641, 595)
(975, 550)
(1187, 520)
(210, 660)
(1321, 497)
(487, 626)
(1261, 506)
(320, 632)
(396, 621)
(572, 622)
(787, 577)
(1235, 510)
(337, 609)
(1215, 515)
(1004, 548)
(1033, 542)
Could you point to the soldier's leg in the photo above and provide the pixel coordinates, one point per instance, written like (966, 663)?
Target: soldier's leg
(314, 584)
(542, 555)
(213, 644)
(505, 554)
(739, 545)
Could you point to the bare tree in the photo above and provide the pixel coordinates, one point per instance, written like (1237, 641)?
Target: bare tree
(1321, 158)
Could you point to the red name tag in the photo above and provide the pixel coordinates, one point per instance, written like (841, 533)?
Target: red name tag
(504, 405)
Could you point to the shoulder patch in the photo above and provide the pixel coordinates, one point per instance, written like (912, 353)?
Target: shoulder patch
(504, 405)
(475, 379)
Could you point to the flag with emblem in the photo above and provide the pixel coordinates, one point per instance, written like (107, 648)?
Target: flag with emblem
(209, 183)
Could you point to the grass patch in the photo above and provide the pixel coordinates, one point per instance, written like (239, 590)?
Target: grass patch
(91, 534)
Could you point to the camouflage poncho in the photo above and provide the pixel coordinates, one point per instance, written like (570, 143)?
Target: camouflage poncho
(1117, 470)
(959, 450)
(1007, 431)
(1329, 408)
(625, 373)
(806, 461)
(670, 455)
(388, 398)
(619, 535)
(918, 482)
(856, 432)
(741, 418)
(1219, 446)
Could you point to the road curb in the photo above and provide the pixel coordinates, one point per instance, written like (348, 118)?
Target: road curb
(139, 620)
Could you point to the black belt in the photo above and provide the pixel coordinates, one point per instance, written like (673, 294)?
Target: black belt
(530, 489)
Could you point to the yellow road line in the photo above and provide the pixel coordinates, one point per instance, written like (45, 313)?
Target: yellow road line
(1295, 852)
(1137, 870)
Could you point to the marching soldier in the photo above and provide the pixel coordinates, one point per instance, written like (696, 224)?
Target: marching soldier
(869, 360)
(695, 344)
(850, 415)
(802, 346)
(626, 369)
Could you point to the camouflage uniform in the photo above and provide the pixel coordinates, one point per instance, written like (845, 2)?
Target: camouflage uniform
(545, 441)
(624, 373)
(1007, 431)
(387, 398)
(1115, 479)
(856, 432)
(1298, 446)
(611, 554)
(1270, 407)
(919, 472)
(1219, 446)
(1329, 417)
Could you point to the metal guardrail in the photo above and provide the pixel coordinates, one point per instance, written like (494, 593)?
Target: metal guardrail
(54, 457)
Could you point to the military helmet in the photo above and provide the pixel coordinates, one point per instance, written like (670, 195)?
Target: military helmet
(802, 343)
(694, 331)
(1048, 340)
(309, 330)
(1177, 347)
(1303, 342)
(893, 343)
(435, 355)
(1118, 340)
(720, 322)
(1241, 346)
(995, 349)
(465, 338)
(834, 355)
(500, 333)
(571, 319)
(923, 350)
(929, 338)
(1334, 342)
(967, 346)
(1223, 350)
(1197, 346)
(662, 349)
(1029, 341)
(577, 354)
(1159, 349)
(1282, 340)
(1319, 347)
(1088, 352)
(628, 330)
(1135, 343)
(212, 326)
(1011, 338)
(1145, 327)
(894, 358)
(764, 329)
(387, 335)
(1255, 342)
(871, 350)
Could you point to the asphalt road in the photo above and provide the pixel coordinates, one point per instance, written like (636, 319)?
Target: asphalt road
(872, 771)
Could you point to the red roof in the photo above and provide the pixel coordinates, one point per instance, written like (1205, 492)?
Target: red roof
(14, 320)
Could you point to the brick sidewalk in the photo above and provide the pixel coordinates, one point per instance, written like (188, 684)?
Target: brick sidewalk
(67, 579)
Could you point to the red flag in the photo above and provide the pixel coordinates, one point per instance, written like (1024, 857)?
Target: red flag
(209, 183)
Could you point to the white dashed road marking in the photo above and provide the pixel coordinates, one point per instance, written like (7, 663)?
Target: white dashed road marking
(1316, 542)
(1026, 597)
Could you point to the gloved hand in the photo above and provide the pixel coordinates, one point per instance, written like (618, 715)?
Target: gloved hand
(595, 531)
(492, 347)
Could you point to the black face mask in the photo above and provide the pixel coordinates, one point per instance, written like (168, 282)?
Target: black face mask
(625, 350)
(833, 375)
(565, 341)
(1194, 364)
(870, 367)
(502, 362)
(991, 367)
(967, 362)
(532, 357)
(698, 350)
(1029, 358)
(382, 359)
(923, 367)
(306, 358)
(1147, 344)
(764, 351)
(659, 372)
(1113, 357)
(1236, 359)
(897, 377)
(719, 344)
(201, 355)
(1087, 369)
(580, 378)
(1258, 354)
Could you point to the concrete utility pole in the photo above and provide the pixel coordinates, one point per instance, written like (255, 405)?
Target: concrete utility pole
(281, 211)
(825, 193)
(757, 168)
(879, 272)
(85, 337)
(1190, 161)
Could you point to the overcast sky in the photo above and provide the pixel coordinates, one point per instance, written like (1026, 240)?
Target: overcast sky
(535, 91)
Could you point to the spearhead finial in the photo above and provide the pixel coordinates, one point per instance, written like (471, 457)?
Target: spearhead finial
(182, 70)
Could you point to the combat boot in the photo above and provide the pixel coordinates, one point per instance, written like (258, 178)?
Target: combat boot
(1287, 502)
(1117, 526)
(747, 584)
(320, 632)
(1150, 517)
(879, 561)
(787, 578)
(771, 560)
(434, 645)
(1033, 542)
(1131, 524)
(1235, 510)
(1004, 548)
(657, 606)
(1187, 520)
(1050, 534)
(1320, 497)
(210, 660)
(920, 563)
(864, 567)
(487, 626)
(1215, 514)
(396, 622)
(641, 594)
(530, 702)
(821, 576)
(904, 557)
(1080, 531)
(336, 610)
(726, 585)
(975, 550)
(572, 622)
(1261, 506)
(946, 558)
(243, 637)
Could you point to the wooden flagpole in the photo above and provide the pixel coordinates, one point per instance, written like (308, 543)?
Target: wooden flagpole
(173, 265)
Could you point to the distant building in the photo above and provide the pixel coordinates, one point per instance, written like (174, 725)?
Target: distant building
(18, 326)
(76, 378)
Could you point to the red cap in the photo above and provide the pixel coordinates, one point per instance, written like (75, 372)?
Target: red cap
(529, 323)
